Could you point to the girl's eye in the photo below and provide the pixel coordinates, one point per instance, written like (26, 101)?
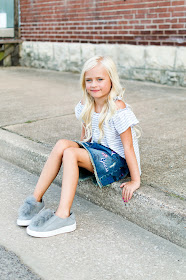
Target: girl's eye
(100, 79)
(88, 80)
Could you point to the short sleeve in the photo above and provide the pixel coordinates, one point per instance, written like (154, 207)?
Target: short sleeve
(78, 110)
(123, 119)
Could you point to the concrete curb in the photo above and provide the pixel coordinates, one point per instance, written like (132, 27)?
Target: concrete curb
(157, 211)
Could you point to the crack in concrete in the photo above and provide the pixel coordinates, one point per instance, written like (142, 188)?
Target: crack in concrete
(164, 190)
(36, 120)
(28, 138)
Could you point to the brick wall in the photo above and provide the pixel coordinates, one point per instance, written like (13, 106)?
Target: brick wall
(138, 22)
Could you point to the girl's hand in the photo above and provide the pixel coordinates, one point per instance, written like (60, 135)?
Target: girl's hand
(128, 189)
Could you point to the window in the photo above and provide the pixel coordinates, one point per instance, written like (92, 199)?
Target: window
(6, 18)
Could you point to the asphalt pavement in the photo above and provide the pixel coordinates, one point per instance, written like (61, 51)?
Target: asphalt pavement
(12, 268)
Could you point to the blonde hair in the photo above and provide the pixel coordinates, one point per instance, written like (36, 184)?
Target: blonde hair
(109, 107)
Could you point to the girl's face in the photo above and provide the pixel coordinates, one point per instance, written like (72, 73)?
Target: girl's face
(97, 82)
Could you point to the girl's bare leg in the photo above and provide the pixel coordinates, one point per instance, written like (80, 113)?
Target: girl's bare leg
(52, 167)
(72, 158)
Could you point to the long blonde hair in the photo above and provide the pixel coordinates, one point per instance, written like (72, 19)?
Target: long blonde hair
(109, 107)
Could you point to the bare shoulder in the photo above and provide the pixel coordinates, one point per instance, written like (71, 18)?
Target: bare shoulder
(120, 104)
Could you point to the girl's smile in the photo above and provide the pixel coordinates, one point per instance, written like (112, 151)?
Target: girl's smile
(97, 82)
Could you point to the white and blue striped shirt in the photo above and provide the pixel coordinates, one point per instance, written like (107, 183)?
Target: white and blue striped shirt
(120, 122)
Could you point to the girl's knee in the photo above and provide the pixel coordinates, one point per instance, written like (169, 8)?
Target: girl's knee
(60, 146)
(69, 153)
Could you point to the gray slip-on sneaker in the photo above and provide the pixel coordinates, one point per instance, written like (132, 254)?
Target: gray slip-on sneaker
(30, 208)
(47, 224)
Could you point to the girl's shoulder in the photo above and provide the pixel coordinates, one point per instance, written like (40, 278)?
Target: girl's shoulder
(120, 104)
(123, 117)
(123, 113)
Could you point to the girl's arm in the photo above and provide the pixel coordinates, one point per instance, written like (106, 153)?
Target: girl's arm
(83, 128)
(134, 184)
(82, 133)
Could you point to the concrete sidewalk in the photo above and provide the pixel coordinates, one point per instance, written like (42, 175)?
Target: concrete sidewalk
(104, 245)
(37, 109)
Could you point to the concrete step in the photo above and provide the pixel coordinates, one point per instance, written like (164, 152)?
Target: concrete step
(153, 209)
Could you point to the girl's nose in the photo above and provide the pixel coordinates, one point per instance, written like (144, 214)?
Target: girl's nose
(94, 83)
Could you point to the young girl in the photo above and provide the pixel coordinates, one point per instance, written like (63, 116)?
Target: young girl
(108, 148)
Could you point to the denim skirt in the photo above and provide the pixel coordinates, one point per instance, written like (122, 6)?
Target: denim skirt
(108, 166)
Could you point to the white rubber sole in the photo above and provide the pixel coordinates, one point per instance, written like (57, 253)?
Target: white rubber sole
(52, 232)
(25, 223)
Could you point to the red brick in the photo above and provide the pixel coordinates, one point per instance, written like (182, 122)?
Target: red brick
(164, 3)
(158, 10)
(143, 43)
(183, 44)
(145, 21)
(174, 20)
(156, 32)
(164, 15)
(177, 26)
(176, 3)
(164, 26)
(151, 26)
(152, 15)
(183, 32)
(139, 26)
(135, 32)
(140, 16)
(170, 32)
(178, 14)
(158, 21)
(182, 19)
(176, 9)
(156, 43)
(146, 32)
